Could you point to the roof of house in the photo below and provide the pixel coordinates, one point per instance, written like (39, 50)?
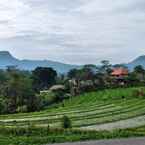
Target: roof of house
(57, 87)
(119, 71)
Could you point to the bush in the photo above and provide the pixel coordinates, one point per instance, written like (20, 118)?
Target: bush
(52, 97)
(22, 109)
(66, 122)
(47, 98)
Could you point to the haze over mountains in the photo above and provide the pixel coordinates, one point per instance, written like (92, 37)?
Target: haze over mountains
(6, 59)
(138, 61)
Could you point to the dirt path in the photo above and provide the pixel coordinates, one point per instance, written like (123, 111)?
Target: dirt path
(131, 141)
(122, 124)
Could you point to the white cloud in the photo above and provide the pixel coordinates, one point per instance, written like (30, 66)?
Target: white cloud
(78, 31)
(10, 11)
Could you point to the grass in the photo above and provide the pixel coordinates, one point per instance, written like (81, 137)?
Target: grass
(88, 109)
(39, 136)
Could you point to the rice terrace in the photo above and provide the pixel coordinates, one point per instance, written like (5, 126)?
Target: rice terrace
(90, 110)
(120, 110)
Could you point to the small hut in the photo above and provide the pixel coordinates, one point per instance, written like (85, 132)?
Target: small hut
(57, 88)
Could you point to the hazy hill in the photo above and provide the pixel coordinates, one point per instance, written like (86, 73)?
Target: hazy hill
(138, 61)
(6, 59)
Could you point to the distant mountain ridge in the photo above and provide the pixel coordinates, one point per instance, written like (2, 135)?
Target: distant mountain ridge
(6, 59)
(138, 61)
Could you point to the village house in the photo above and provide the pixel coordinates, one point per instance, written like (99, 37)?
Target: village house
(119, 75)
(120, 72)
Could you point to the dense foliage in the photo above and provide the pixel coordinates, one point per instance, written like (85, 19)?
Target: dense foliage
(43, 78)
(18, 89)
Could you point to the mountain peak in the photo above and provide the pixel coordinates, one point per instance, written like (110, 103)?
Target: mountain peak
(6, 58)
(138, 61)
(5, 54)
(141, 58)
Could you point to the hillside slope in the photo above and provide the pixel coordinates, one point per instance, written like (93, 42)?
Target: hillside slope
(103, 110)
(138, 61)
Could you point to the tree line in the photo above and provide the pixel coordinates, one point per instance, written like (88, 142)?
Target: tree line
(18, 89)
(25, 91)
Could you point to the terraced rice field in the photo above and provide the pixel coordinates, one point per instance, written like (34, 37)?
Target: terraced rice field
(107, 109)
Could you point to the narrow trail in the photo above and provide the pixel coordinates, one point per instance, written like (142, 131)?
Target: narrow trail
(128, 123)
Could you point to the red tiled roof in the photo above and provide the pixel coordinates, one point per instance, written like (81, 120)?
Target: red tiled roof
(119, 71)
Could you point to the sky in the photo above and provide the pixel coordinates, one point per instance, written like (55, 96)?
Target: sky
(73, 31)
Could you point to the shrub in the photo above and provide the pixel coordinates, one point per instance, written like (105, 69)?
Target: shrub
(139, 93)
(48, 128)
(47, 98)
(66, 122)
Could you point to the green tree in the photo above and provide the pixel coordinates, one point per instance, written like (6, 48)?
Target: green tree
(139, 72)
(43, 78)
(105, 67)
(139, 69)
(72, 74)
(18, 92)
(3, 77)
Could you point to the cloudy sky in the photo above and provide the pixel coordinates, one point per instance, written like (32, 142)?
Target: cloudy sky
(73, 31)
